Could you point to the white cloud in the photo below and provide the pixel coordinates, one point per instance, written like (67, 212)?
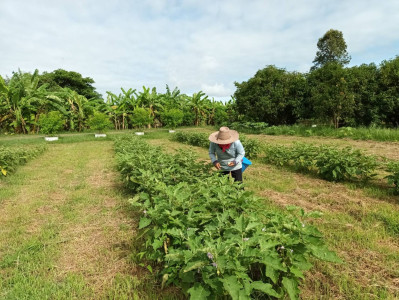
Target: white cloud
(217, 90)
(195, 45)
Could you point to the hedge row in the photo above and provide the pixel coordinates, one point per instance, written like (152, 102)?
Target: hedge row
(211, 237)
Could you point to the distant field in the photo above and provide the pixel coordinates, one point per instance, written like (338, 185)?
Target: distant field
(67, 230)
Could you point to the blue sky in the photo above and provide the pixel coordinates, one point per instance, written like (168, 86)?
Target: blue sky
(195, 45)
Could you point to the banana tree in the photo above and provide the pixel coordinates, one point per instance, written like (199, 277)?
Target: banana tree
(150, 100)
(171, 99)
(22, 99)
(198, 102)
(112, 105)
(74, 107)
(128, 101)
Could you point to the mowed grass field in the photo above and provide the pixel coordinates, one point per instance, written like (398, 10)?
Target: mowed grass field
(67, 231)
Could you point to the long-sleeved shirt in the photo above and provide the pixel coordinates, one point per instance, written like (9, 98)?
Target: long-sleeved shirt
(235, 153)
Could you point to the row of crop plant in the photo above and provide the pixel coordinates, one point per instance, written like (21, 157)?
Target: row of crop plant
(209, 236)
(355, 133)
(11, 157)
(328, 162)
(331, 163)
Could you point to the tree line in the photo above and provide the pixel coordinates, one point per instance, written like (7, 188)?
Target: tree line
(330, 93)
(27, 98)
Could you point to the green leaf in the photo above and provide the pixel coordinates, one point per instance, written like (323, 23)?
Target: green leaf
(252, 225)
(274, 262)
(198, 292)
(240, 224)
(232, 286)
(297, 272)
(144, 222)
(291, 286)
(272, 273)
(188, 276)
(266, 288)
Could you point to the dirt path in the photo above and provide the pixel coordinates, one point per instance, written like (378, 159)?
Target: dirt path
(64, 221)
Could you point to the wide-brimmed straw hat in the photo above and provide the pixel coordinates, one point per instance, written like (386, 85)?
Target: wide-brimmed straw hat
(224, 136)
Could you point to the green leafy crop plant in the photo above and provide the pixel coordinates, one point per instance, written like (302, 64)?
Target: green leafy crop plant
(393, 178)
(330, 163)
(211, 237)
(11, 157)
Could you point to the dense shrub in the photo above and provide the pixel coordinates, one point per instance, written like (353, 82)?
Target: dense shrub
(51, 122)
(99, 122)
(141, 117)
(172, 117)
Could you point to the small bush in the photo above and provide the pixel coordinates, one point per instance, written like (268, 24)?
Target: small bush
(172, 118)
(99, 122)
(141, 117)
(51, 122)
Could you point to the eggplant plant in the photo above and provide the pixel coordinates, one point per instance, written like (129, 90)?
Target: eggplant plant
(11, 157)
(211, 237)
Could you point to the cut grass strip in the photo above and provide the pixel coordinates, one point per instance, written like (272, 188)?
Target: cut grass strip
(66, 229)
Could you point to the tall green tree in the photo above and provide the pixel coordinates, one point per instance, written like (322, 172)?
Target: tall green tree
(23, 100)
(363, 83)
(69, 79)
(330, 94)
(389, 91)
(151, 99)
(331, 48)
(270, 96)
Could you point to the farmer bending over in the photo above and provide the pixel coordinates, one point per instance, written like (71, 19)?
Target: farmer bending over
(229, 151)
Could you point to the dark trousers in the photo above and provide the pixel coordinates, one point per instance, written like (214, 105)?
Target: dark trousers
(237, 174)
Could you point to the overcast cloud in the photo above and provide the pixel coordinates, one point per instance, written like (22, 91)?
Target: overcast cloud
(195, 45)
